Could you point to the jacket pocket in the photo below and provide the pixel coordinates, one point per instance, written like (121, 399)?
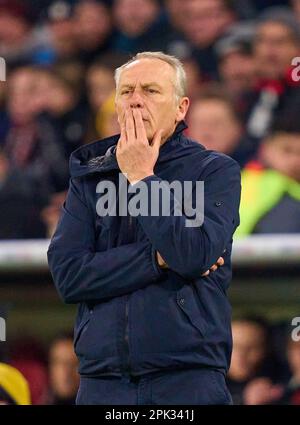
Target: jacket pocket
(97, 337)
(189, 303)
(81, 328)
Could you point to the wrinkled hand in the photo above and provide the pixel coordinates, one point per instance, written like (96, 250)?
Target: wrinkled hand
(214, 267)
(136, 157)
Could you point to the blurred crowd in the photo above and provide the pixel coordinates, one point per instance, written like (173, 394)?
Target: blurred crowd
(31, 373)
(59, 94)
(265, 367)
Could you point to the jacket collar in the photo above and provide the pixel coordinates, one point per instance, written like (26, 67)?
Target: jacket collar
(100, 156)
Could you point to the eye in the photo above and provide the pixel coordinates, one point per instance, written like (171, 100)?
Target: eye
(152, 91)
(125, 92)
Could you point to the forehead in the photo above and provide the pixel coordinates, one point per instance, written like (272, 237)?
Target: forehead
(148, 70)
(290, 140)
(274, 28)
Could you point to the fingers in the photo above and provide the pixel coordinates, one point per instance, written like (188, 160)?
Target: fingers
(123, 131)
(214, 267)
(139, 126)
(219, 263)
(129, 126)
(123, 138)
(157, 139)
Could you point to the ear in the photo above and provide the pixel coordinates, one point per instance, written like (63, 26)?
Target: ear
(182, 108)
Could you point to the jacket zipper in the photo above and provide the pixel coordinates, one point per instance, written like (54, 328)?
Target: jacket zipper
(126, 339)
(127, 368)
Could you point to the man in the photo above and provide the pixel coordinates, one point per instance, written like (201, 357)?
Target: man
(63, 374)
(270, 201)
(153, 327)
(276, 43)
(214, 121)
(252, 359)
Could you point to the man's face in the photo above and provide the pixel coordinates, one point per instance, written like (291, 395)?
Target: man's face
(274, 48)
(238, 72)
(204, 21)
(282, 153)
(249, 350)
(64, 377)
(148, 84)
(100, 83)
(293, 355)
(212, 123)
(133, 17)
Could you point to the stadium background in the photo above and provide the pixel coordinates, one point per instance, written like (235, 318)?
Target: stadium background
(58, 95)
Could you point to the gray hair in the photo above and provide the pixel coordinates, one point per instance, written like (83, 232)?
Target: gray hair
(180, 79)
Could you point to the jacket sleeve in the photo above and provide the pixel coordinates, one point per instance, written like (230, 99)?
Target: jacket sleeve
(190, 251)
(82, 274)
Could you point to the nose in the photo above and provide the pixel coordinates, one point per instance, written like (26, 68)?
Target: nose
(136, 100)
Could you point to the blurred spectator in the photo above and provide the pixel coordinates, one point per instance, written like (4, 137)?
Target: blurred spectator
(20, 42)
(60, 28)
(64, 115)
(13, 386)
(51, 213)
(276, 43)
(296, 8)
(63, 375)
(213, 120)
(107, 120)
(140, 26)
(292, 390)
(175, 10)
(270, 201)
(20, 204)
(175, 42)
(28, 356)
(100, 84)
(263, 391)
(236, 62)
(195, 81)
(92, 29)
(31, 147)
(203, 23)
(251, 357)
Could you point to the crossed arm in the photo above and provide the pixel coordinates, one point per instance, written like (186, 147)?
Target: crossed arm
(82, 274)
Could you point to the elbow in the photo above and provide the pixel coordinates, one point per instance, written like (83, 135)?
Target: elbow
(66, 297)
(65, 290)
(61, 279)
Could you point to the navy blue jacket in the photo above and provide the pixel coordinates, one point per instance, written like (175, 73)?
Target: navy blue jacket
(133, 316)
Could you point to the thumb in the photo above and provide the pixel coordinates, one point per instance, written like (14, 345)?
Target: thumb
(157, 139)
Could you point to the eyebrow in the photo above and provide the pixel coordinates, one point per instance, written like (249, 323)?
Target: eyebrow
(153, 83)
